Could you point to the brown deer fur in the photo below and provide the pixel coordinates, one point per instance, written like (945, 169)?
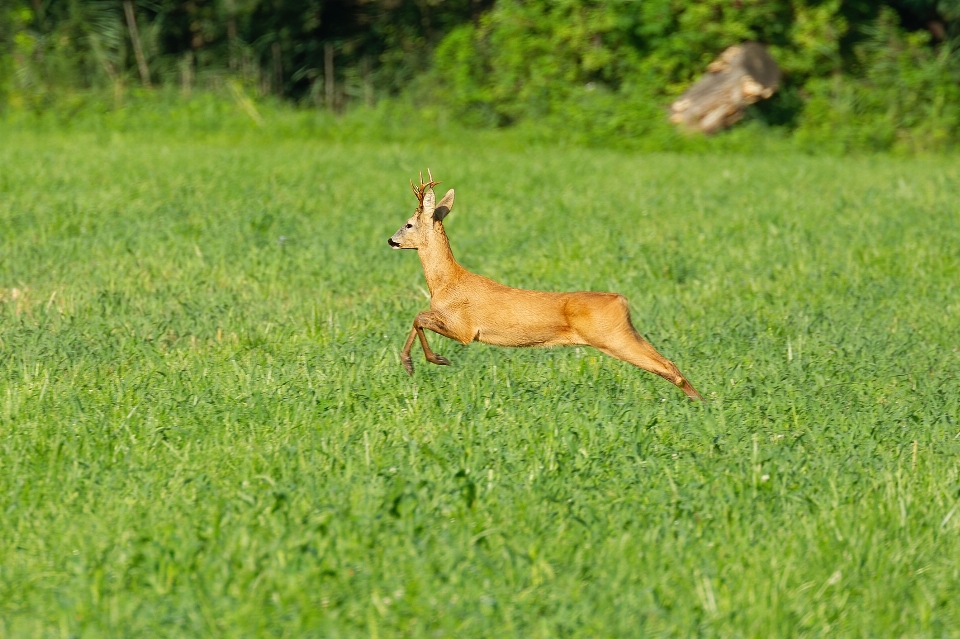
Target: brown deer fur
(468, 307)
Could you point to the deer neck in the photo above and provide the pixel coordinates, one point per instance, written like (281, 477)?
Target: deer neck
(439, 266)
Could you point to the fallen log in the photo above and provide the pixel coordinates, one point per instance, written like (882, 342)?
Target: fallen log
(742, 75)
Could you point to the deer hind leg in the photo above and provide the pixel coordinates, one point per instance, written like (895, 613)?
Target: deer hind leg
(638, 351)
(428, 320)
(616, 336)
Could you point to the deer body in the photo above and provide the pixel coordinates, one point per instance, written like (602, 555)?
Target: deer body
(468, 307)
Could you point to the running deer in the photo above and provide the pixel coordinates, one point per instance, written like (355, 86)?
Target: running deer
(468, 307)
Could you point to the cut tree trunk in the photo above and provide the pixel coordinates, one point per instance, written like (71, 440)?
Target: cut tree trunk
(742, 75)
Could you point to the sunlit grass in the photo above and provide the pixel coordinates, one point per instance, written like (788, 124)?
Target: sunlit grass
(205, 428)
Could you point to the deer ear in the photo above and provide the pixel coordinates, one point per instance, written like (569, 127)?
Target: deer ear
(443, 208)
(429, 202)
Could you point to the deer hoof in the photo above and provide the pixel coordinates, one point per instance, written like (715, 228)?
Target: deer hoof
(690, 391)
(408, 365)
(439, 360)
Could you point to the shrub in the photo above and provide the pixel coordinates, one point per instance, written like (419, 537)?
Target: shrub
(902, 95)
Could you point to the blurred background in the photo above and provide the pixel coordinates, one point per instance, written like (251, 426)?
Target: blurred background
(857, 74)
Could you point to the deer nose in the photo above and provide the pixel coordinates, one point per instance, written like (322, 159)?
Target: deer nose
(392, 243)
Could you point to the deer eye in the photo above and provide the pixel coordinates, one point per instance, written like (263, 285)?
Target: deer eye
(409, 226)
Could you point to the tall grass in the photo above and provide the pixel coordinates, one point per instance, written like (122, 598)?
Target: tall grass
(236, 112)
(205, 429)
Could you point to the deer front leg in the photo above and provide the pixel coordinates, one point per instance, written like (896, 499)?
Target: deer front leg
(405, 358)
(431, 321)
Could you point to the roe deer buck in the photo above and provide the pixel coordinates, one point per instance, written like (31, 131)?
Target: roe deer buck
(468, 307)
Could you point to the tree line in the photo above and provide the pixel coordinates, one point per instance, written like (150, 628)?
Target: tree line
(881, 72)
(297, 49)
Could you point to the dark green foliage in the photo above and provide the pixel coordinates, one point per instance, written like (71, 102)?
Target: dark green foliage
(906, 96)
(276, 46)
(606, 71)
(869, 75)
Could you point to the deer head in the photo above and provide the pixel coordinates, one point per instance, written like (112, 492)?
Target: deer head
(427, 220)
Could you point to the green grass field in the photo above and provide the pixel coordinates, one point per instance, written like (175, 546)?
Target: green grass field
(205, 429)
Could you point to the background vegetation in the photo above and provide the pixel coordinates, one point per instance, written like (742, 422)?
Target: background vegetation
(858, 74)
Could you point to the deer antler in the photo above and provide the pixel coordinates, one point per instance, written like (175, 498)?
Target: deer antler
(420, 191)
